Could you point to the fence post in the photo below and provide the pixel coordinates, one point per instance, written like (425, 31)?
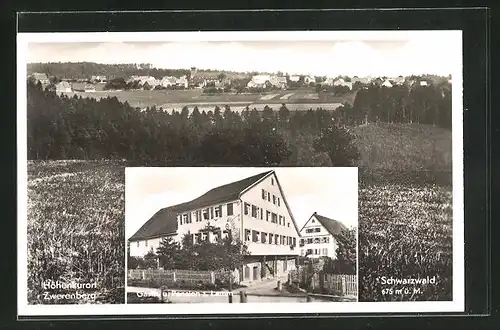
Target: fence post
(343, 289)
(243, 297)
(143, 272)
(308, 299)
(212, 277)
(173, 275)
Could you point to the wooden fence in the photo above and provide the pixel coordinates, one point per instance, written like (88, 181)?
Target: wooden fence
(335, 284)
(170, 276)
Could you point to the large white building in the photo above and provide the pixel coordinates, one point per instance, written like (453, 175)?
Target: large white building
(318, 237)
(253, 210)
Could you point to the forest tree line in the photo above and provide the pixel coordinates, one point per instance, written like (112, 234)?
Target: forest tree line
(62, 127)
(85, 70)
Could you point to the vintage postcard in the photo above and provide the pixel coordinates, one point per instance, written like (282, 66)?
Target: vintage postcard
(222, 172)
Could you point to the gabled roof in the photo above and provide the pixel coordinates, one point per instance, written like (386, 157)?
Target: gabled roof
(334, 227)
(39, 76)
(164, 221)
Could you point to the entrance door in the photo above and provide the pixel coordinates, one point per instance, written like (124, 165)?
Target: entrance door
(255, 273)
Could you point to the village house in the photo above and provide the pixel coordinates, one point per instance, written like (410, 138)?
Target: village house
(398, 80)
(363, 81)
(278, 81)
(142, 80)
(387, 83)
(342, 82)
(309, 79)
(168, 81)
(98, 79)
(40, 77)
(182, 82)
(83, 87)
(318, 237)
(260, 81)
(294, 78)
(328, 82)
(63, 87)
(253, 210)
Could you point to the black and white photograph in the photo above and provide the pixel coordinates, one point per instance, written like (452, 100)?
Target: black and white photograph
(264, 236)
(138, 154)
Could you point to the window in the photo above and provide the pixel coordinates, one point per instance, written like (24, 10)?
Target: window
(309, 241)
(325, 252)
(272, 181)
(294, 241)
(285, 262)
(309, 251)
(218, 211)
(279, 202)
(263, 237)
(312, 221)
(184, 218)
(288, 223)
(270, 238)
(317, 230)
(264, 194)
(205, 214)
(268, 197)
(196, 238)
(211, 213)
(261, 214)
(247, 208)
(301, 242)
(230, 209)
(255, 236)
(279, 221)
(137, 243)
(274, 200)
(190, 217)
(325, 239)
(309, 230)
(268, 215)
(276, 237)
(316, 240)
(254, 211)
(203, 236)
(274, 218)
(281, 239)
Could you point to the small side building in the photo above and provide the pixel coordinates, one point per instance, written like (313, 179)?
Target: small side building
(318, 237)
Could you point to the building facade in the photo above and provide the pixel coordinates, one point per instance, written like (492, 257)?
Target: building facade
(253, 210)
(318, 237)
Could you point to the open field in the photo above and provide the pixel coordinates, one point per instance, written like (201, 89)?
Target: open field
(76, 228)
(405, 210)
(169, 99)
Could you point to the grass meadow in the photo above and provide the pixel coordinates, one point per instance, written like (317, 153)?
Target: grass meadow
(75, 230)
(179, 98)
(405, 211)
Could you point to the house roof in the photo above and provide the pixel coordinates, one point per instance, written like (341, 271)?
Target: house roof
(64, 84)
(164, 221)
(39, 76)
(334, 227)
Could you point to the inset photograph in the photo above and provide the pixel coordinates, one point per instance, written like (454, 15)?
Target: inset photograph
(241, 235)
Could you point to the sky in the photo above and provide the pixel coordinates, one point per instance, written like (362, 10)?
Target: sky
(400, 56)
(329, 191)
